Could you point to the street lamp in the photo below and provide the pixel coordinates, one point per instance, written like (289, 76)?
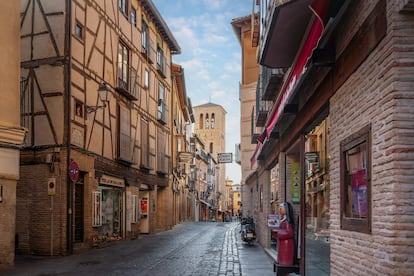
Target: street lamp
(104, 93)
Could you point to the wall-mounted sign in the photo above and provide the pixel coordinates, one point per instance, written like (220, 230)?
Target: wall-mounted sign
(144, 206)
(225, 157)
(113, 181)
(74, 171)
(51, 186)
(295, 182)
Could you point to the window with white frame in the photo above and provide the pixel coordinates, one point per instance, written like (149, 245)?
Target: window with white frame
(97, 209)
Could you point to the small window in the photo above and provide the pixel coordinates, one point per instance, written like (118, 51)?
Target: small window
(213, 121)
(97, 210)
(144, 38)
(201, 121)
(78, 108)
(356, 181)
(123, 6)
(146, 79)
(134, 17)
(79, 30)
(207, 122)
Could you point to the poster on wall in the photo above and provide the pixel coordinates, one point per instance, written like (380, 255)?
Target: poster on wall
(144, 207)
(273, 221)
(295, 182)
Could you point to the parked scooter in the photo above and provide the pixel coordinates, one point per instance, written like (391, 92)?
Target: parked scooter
(248, 230)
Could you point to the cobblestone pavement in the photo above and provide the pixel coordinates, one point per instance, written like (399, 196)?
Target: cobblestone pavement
(203, 248)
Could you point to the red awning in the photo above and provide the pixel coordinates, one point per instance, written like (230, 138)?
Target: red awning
(320, 9)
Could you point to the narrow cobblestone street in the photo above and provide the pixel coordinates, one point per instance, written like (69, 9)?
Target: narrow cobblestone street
(203, 248)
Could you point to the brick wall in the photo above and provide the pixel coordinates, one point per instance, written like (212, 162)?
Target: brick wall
(33, 210)
(380, 93)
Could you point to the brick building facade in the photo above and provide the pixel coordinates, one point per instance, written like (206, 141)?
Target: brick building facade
(339, 129)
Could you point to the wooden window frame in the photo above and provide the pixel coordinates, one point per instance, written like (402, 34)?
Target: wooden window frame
(146, 79)
(133, 16)
(123, 7)
(78, 26)
(123, 67)
(352, 143)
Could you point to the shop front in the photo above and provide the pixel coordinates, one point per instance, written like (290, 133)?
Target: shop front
(112, 203)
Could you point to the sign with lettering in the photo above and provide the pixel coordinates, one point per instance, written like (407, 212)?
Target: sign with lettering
(113, 181)
(225, 157)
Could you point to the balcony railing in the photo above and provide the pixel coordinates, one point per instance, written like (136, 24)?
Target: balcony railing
(162, 112)
(161, 64)
(254, 131)
(148, 50)
(127, 81)
(271, 81)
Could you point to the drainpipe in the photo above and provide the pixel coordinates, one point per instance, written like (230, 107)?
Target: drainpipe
(67, 87)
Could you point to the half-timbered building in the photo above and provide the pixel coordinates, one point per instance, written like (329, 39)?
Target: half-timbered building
(96, 102)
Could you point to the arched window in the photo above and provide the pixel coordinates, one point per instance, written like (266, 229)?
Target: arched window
(211, 147)
(213, 121)
(207, 125)
(201, 122)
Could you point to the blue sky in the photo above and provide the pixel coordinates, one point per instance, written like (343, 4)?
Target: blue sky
(210, 56)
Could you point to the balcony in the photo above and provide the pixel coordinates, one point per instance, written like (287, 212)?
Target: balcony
(148, 50)
(162, 112)
(161, 64)
(127, 81)
(163, 162)
(271, 81)
(255, 133)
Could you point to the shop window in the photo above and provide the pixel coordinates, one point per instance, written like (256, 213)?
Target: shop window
(97, 209)
(356, 181)
(135, 209)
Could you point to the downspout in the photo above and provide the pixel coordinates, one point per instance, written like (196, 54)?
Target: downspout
(66, 135)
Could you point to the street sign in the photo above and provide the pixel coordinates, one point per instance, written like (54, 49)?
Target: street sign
(51, 186)
(225, 157)
(74, 171)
